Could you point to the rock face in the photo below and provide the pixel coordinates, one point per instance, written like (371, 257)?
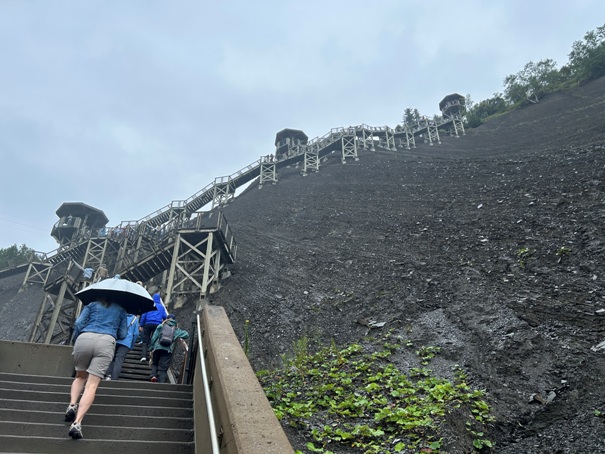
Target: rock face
(18, 308)
(490, 246)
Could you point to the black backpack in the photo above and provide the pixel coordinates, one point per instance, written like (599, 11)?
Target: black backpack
(167, 335)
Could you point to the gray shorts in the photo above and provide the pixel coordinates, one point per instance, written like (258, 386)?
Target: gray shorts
(93, 353)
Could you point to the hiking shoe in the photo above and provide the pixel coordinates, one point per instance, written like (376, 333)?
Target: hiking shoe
(70, 413)
(143, 359)
(154, 379)
(75, 431)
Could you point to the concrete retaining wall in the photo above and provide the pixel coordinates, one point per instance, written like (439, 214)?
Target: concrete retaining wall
(243, 412)
(36, 359)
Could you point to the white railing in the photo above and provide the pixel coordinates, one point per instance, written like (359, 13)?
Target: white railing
(207, 397)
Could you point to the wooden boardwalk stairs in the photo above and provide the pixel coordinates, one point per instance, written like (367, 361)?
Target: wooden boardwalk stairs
(127, 416)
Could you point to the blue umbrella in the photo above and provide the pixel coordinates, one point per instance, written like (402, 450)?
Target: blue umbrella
(132, 297)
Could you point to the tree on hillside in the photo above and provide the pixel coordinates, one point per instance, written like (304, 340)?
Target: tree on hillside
(532, 82)
(586, 62)
(15, 255)
(587, 57)
(411, 116)
(468, 102)
(476, 113)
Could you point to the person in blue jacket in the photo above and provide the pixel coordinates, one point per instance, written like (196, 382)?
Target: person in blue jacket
(95, 332)
(123, 346)
(149, 322)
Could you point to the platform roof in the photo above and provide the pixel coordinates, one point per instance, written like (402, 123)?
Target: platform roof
(293, 133)
(95, 217)
(451, 97)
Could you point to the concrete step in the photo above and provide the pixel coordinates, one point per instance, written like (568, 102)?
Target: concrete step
(126, 410)
(104, 387)
(62, 445)
(134, 375)
(158, 422)
(109, 384)
(133, 368)
(136, 361)
(97, 432)
(130, 416)
(140, 371)
(102, 397)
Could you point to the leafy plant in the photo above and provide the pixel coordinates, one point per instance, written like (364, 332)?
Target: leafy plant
(356, 397)
(427, 353)
(522, 255)
(563, 251)
(480, 442)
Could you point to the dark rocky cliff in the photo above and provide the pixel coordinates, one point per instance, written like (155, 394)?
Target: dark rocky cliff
(490, 246)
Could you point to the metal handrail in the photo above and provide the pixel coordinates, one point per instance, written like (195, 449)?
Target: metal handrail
(210, 412)
(183, 344)
(175, 365)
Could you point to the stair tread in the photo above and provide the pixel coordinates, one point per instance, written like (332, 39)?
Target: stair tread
(99, 432)
(126, 410)
(101, 439)
(29, 444)
(104, 389)
(136, 384)
(101, 397)
(94, 417)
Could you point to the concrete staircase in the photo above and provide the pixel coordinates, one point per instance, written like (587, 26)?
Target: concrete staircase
(133, 368)
(127, 417)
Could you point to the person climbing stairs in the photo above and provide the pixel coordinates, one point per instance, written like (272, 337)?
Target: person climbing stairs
(128, 416)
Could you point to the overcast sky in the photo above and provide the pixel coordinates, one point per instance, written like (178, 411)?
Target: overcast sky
(128, 105)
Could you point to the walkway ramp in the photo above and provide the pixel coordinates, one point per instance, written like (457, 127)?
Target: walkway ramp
(7, 272)
(150, 265)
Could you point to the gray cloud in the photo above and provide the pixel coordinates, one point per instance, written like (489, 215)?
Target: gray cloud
(131, 105)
